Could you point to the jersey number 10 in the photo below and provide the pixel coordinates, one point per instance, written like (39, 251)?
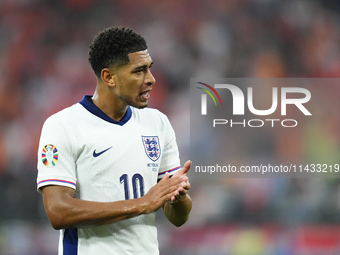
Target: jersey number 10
(137, 182)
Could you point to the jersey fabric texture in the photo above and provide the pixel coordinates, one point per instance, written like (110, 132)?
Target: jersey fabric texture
(105, 160)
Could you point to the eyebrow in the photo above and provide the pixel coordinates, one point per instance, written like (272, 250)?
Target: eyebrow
(143, 66)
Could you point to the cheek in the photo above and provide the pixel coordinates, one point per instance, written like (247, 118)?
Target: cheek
(135, 84)
(129, 91)
(130, 84)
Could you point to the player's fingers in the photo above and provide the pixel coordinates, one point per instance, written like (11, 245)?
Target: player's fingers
(165, 177)
(173, 196)
(169, 187)
(185, 188)
(183, 192)
(187, 185)
(179, 179)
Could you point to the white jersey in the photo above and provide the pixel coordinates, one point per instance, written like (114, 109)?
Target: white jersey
(105, 160)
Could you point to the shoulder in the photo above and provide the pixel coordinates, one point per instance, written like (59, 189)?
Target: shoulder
(63, 118)
(150, 115)
(149, 112)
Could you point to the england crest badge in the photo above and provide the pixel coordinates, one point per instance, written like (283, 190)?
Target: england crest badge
(152, 147)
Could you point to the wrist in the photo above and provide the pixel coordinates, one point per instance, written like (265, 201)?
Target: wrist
(142, 205)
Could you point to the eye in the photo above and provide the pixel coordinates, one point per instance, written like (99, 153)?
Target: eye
(139, 71)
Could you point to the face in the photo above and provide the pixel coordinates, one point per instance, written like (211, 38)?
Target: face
(134, 81)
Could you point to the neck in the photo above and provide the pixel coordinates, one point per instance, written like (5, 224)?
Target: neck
(109, 104)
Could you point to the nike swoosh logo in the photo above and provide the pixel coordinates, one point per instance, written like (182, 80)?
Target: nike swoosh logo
(100, 153)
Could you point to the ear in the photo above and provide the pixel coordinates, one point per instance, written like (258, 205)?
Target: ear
(107, 76)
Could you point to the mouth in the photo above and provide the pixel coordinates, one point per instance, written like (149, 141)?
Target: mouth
(145, 95)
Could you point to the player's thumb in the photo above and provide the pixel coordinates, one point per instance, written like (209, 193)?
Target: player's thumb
(186, 167)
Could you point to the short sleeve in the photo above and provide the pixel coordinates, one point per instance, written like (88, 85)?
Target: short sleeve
(170, 161)
(56, 160)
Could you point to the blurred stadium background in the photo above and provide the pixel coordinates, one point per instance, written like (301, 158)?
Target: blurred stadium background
(43, 68)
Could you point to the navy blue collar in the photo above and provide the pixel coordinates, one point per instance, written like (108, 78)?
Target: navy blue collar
(92, 108)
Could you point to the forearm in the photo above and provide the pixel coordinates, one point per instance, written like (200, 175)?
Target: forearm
(178, 213)
(65, 211)
(80, 214)
(75, 213)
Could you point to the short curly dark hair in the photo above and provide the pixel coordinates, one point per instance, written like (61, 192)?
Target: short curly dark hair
(112, 46)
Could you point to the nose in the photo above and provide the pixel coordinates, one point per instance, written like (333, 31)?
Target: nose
(149, 79)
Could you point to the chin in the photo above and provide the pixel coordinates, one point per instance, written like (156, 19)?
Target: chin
(135, 103)
(140, 105)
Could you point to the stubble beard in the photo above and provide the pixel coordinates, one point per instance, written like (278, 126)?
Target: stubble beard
(130, 102)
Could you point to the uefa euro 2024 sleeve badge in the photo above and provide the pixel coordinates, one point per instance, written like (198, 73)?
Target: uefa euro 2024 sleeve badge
(152, 147)
(49, 155)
